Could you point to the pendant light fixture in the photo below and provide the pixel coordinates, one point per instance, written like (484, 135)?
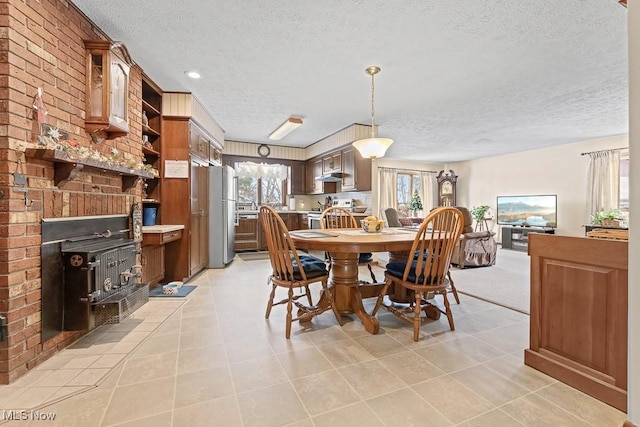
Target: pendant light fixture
(372, 147)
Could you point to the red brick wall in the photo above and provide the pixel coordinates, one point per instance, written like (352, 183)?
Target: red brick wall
(41, 45)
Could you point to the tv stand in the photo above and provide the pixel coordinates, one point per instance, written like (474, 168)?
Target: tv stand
(516, 238)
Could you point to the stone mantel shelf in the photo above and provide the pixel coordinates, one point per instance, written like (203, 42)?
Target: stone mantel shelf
(67, 168)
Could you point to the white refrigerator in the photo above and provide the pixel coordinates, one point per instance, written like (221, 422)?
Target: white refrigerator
(222, 215)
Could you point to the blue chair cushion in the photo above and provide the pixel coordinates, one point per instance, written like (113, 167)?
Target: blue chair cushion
(365, 257)
(312, 266)
(416, 254)
(396, 269)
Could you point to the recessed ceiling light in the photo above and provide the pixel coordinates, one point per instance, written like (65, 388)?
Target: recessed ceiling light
(193, 74)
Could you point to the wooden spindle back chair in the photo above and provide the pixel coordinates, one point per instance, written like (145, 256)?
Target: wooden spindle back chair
(291, 271)
(338, 217)
(425, 272)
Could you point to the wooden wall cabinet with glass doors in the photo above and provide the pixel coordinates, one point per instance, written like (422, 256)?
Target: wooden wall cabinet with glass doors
(107, 88)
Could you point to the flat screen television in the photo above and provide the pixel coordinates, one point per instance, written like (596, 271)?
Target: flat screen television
(528, 211)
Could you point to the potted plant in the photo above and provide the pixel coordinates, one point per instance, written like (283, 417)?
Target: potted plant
(478, 213)
(415, 204)
(608, 218)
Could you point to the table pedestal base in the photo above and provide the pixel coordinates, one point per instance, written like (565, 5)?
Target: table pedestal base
(348, 294)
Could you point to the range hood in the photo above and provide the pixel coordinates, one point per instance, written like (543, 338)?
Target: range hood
(330, 177)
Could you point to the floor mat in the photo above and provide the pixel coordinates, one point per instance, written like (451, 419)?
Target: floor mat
(182, 292)
(253, 256)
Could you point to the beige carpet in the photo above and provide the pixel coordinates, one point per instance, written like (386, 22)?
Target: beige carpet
(506, 283)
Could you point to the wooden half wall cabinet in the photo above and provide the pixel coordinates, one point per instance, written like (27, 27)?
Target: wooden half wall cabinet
(578, 319)
(154, 239)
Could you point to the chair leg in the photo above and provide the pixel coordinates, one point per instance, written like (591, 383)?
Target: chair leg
(373, 276)
(453, 287)
(448, 311)
(383, 292)
(306, 288)
(270, 303)
(416, 316)
(289, 316)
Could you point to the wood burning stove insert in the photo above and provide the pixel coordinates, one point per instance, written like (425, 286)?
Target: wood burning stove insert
(94, 261)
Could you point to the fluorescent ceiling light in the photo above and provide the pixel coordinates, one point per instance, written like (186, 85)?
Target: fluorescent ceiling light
(285, 128)
(193, 74)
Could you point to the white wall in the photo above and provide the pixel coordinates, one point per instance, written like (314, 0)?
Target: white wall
(557, 170)
(633, 355)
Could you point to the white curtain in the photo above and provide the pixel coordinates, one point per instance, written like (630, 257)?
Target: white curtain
(604, 181)
(426, 191)
(386, 189)
(261, 170)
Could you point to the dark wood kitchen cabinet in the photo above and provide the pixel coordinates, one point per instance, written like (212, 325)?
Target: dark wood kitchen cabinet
(247, 234)
(188, 200)
(152, 261)
(298, 178)
(292, 221)
(199, 143)
(314, 170)
(356, 171)
(303, 221)
(199, 238)
(332, 162)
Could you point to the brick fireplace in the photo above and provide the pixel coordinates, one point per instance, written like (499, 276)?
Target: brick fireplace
(41, 46)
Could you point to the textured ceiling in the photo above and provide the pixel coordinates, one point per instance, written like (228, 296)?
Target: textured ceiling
(460, 79)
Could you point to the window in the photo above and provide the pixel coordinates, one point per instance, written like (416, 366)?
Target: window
(260, 184)
(623, 203)
(407, 184)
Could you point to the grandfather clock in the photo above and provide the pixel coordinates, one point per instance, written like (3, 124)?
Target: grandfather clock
(447, 188)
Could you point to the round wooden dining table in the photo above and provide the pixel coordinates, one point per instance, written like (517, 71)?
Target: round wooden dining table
(345, 245)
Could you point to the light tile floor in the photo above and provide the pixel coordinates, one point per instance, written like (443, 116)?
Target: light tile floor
(212, 359)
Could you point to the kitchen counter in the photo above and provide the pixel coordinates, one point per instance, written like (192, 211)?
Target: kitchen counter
(255, 212)
(161, 228)
(154, 239)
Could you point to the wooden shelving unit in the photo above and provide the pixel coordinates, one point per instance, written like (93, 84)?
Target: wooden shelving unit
(152, 142)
